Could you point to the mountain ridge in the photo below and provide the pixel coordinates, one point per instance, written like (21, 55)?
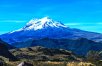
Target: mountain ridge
(78, 46)
(40, 53)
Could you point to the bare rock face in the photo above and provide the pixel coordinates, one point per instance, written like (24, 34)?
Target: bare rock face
(25, 64)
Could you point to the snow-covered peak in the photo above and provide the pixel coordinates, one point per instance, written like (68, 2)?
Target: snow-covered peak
(42, 23)
(45, 19)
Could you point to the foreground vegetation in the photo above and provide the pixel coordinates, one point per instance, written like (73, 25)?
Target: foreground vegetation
(40, 56)
(6, 62)
(47, 63)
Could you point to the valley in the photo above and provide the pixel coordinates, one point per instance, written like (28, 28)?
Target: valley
(45, 42)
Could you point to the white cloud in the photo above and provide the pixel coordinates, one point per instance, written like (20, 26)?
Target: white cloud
(76, 24)
(100, 23)
(17, 21)
(72, 24)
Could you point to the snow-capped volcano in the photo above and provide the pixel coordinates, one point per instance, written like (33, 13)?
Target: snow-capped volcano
(38, 28)
(47, 28)
(45, 22)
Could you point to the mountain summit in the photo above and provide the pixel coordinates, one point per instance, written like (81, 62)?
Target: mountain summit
(47, 28)
(43, 23)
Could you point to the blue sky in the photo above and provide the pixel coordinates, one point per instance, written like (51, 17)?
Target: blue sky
(82, 14)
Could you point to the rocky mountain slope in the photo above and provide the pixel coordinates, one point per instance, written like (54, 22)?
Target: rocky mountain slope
(41, 53)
